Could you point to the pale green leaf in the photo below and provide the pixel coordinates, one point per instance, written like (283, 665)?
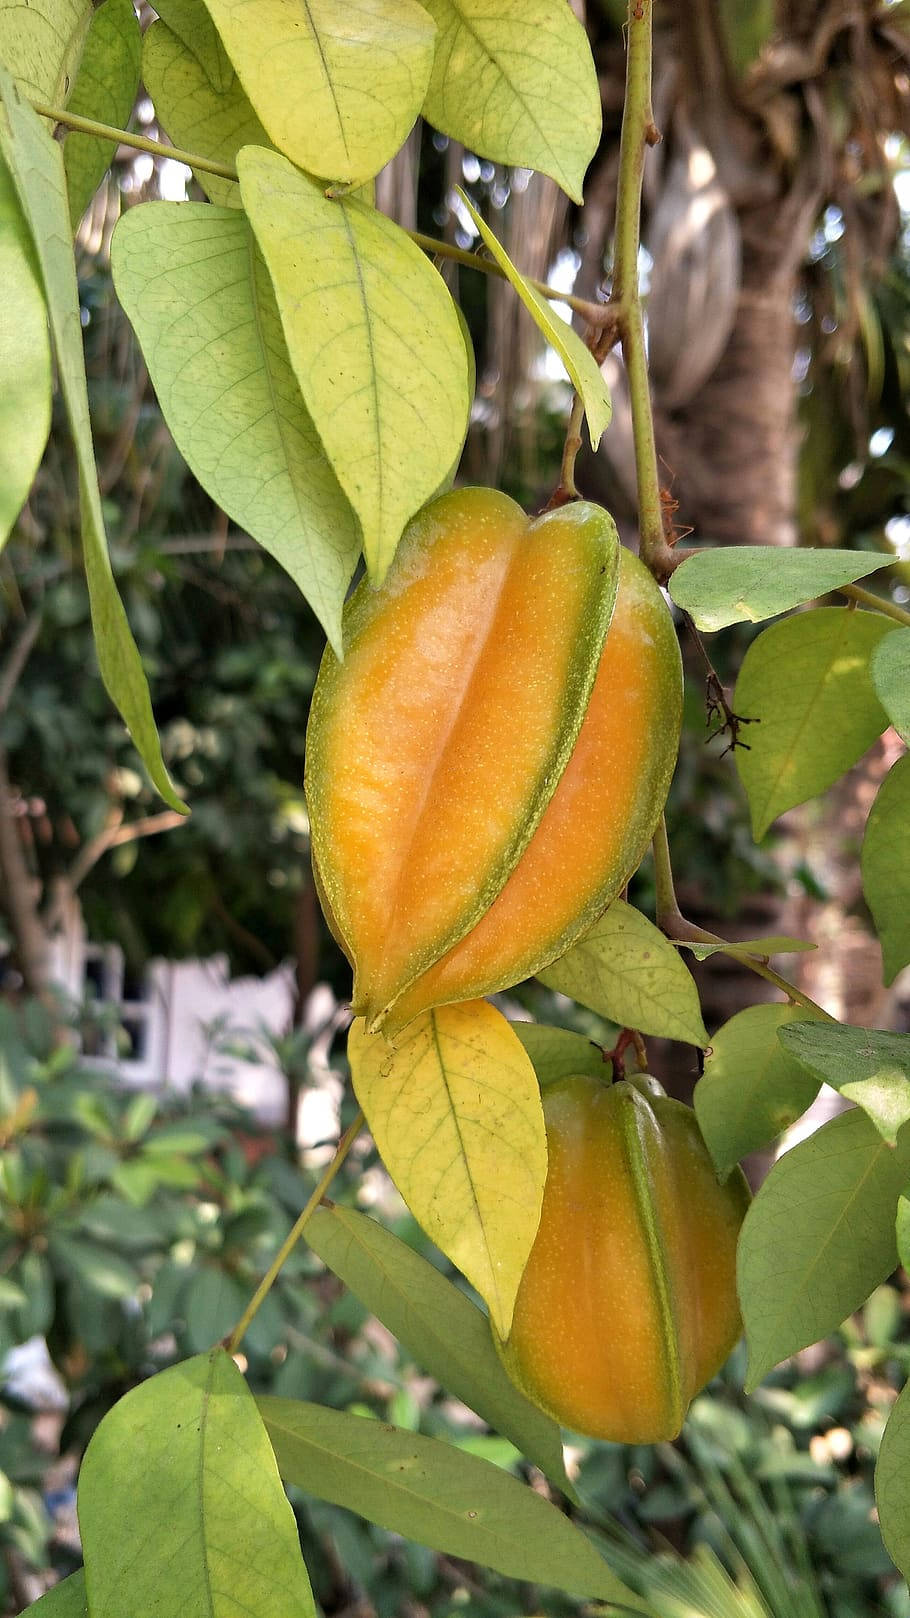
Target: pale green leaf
(454, 1107)
(886, 867)
(36, 164)
(805, 682)
(190, 21)
(25, 360)
(867, 1065)
(41, 43)
(181, 1507)
(435, 1494)
(374, 339)
(516, 82)
(626, 970)
(584, 371)
(738, 584)
(557, 1053)
(66, 1600)
(819, 1237)
(892, 1497)
(762, 948)
(105, 90)
(193, 283)
(902, 1228)
(337, 88)
(447, 1334)
(211, 119)
(751, 1090)
(890, 668)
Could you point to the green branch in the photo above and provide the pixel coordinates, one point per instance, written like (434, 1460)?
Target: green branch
(125, 137)
(233, 1342)
(867, 598)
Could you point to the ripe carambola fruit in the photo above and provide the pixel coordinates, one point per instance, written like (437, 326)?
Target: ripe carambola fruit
(627, 1305)
(486, 767)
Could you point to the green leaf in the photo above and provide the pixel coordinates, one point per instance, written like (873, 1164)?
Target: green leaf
(556, 1053)
(434, 1493)
(902, 1228)
(751, 1089)
(886, 867)
(867, 1065)
(806, 683)
(455, 1110)
(516, 82)
(447, 1334)
(190, 21)
(584, 371)
(212, 1306)
(338, 91)
(374, 339)
(738, 584)
(36, 164)
(212, 119)
(41, 43)
(819, 1237)
(98, 1268)
(181, 1507)
(890, 670)
(66, 1600)
(626, 970)
(105, 90)
(741, 948)
(891, 1494)
(193, 283)
(25, 360)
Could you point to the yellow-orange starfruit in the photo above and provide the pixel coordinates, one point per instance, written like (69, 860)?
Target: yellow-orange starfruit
(627, 1305)
(486, 767)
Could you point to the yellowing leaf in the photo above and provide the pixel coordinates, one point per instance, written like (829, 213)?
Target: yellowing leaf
(41, 43)
(105, 90)
(193, 283)
(626, 970)
(25, 360)
(516, 82)
(374, 339)
(454, 1108)
(587, 377)
(337, 87)
(211, 119)
(36, 164)
(806, 682)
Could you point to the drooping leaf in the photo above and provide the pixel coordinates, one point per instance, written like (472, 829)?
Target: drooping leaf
(890, 669)
(455, 1110)
(66, 1600)
(41, 43)
(516, 82)
(181, 1507)
(338, 90)
(737, 584)
(584, 371)
(762, 948)
(105, 90)
(891, 1494)
(806, 683)
(447, 1334)
(886, 867)
(25, 360)
(434, 1493)
(36, 164)
(374, 339)
(751, 1090)
(557, 1053)
(867, 1065)
(819, 1236)
(193, 283)
(212, 119)
(627, 971)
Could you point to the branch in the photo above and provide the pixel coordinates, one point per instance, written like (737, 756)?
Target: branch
(17, 660)
(18, 889)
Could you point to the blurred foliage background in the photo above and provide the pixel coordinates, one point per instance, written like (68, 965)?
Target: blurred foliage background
(777, 257)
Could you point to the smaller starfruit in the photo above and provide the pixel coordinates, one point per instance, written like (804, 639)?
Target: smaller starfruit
(627, 1305)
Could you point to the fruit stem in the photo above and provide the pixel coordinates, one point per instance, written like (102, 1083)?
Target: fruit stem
(675, 926)
(232, 1342)
(638, 133)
